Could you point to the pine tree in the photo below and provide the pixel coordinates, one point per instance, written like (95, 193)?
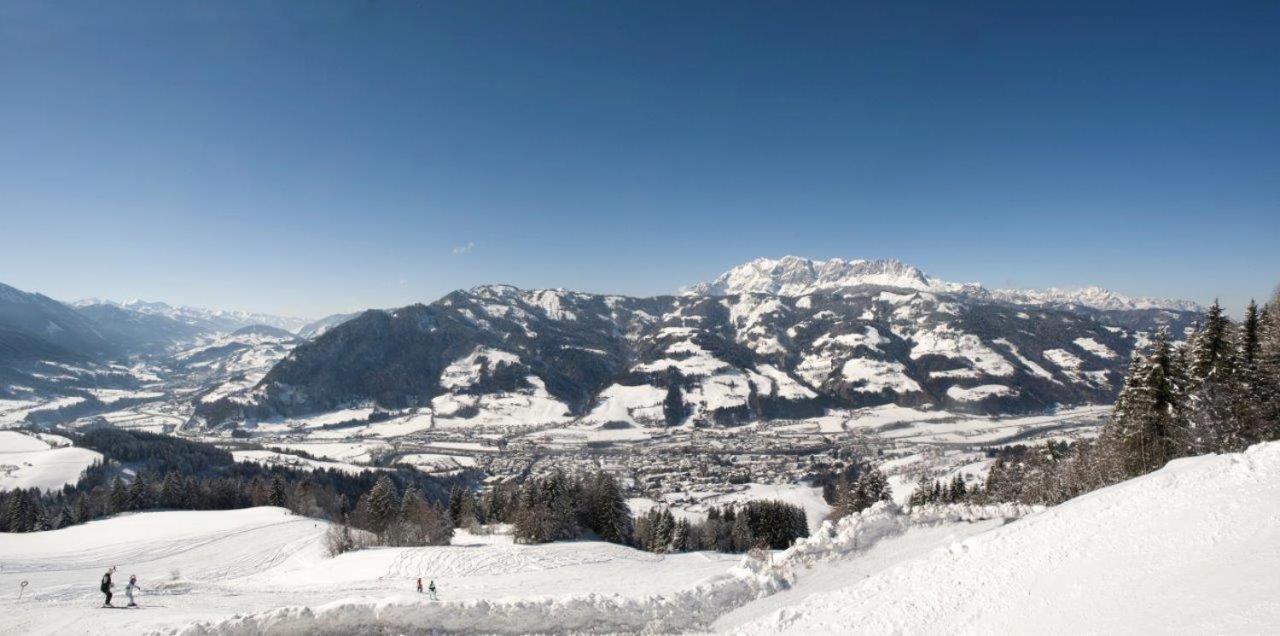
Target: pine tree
(1268, 369)
(67, 518)
(663, 531)
(140, 493)
(383, 505)
(742, 539)
(172, 492)
(922, 495)
(958, 491)
(673, 409)
(871, 487)
(18, 513)
(680, 537)
(82, 513)
(612, 515)
(1147, 426)
(118, 500)
(1210, 346)
(278, 496)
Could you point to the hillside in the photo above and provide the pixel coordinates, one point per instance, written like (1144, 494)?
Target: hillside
(1191, 548)
(768, 340)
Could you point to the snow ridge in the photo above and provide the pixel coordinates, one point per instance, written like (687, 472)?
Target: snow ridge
(796, 276)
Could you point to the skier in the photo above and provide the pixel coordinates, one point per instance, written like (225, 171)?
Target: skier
(419, 585)
(106, 586)
(131, 588)
(431, 590)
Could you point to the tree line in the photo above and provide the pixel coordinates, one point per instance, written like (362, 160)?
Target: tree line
(177, 474)
(1216, 392)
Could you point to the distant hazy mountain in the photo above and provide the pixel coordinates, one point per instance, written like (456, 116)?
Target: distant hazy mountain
(770, 339)
(31, 322)
(318, 327)
(205, 320)
(795, 276)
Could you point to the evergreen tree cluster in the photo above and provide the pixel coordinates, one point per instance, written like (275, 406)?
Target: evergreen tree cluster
(756, 524)
(933, 491)
(1218, 392)
(177, 474)
(392, 519)
(558, 507)
(858, 494)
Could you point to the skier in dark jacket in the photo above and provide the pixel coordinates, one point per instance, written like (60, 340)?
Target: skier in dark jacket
(431, 590)
(106, 586)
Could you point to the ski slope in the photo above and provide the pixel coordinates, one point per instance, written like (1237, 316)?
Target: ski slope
(1193, 548)
(212, 565)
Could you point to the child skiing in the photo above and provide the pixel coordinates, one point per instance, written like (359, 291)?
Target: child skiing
(106, 586)
(131, 588)
(431, 590)
(419, 585)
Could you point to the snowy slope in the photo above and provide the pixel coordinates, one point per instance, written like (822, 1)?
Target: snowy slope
(1193, 548)
(30, 462)
(213, 565)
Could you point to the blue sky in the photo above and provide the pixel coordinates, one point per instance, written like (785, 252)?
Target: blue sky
(309, 157)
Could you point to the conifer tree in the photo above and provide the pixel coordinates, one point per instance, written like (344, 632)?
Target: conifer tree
(680, 537)
(383, 505)
(118, 500)
(741, 536)
(278, 496)
(140, 493)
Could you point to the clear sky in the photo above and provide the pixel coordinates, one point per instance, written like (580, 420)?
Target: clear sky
(305, 157)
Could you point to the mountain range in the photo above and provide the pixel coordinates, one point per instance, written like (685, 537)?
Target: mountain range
(772, 338)
(769, 339)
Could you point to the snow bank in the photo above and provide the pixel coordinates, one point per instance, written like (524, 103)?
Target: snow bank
(1192, 548)
(695, 607)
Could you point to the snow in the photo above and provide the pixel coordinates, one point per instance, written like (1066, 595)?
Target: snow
(27, 461)
(109, 396)
(273, 458)
(529, 406)
(1065, 360)
(1035, 369)
(649, 593)
(945, 341)
(1096, 348)
(794, 276)
(636, 405)
(769, 379)
(874, 376)
(18, 414)
(976, 393)
(467, 370)
(437, 463)
(722, 391)
(210, 566)
(1192, 548)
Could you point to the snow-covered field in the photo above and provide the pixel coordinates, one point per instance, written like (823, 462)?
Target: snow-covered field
(27, 461)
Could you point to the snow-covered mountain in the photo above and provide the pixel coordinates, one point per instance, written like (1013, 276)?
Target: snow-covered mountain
(1092, 297)
(318, 327)
(809, 336)
(796, 276)
(206, 320)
